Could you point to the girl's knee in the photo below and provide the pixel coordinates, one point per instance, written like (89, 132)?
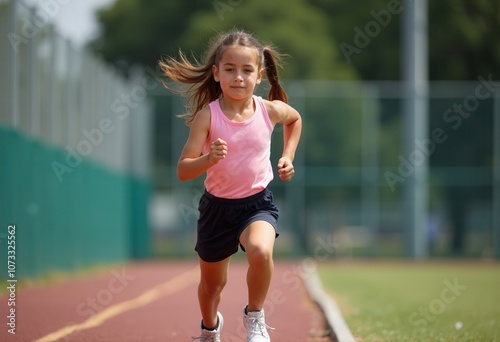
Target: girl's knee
(260, 253)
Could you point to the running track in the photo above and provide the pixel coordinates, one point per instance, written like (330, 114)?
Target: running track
(155, 301)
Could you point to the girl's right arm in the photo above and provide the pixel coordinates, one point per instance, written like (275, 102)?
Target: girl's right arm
(192, 163)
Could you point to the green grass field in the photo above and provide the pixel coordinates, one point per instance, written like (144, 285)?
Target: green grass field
(404, 301)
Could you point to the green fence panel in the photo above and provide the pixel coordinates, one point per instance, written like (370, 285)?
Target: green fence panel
(91, 215)
(140, 233)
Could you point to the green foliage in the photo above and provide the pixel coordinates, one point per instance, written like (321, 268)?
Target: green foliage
(296, 29)
(135, 31)
(462, 39)
(379, 59)
(461, 34)
(461, 43)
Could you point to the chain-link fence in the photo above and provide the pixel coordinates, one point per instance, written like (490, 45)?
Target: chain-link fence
(348, 195)
(74, 140)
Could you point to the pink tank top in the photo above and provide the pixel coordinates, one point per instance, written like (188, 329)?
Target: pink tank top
(247, 169)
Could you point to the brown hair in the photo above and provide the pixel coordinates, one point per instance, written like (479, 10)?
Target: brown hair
(203, 88)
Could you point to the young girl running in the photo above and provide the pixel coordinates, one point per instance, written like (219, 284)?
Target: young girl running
(229, 140)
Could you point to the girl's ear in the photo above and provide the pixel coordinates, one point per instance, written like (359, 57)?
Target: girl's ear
(215, 72)
(259, 77)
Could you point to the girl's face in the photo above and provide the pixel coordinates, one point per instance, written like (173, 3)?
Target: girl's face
(238, 71)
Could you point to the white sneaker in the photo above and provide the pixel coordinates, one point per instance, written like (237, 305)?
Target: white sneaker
(255, 323)
(211, 335)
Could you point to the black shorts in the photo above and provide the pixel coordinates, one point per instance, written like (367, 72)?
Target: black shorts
(222, 220)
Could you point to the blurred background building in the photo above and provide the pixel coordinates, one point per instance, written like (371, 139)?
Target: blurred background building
(89, 138)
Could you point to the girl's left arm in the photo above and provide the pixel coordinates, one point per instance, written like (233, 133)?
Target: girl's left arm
(281, 112)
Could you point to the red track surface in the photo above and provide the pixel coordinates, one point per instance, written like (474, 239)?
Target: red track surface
(155, 301)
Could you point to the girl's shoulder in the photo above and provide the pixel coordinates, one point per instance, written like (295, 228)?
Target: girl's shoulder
(275, 109)
(202, 117)
(274, 106)
(204, 112)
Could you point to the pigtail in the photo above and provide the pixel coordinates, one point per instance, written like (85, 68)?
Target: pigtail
(271, 63)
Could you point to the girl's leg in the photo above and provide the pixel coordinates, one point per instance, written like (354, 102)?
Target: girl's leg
(258, 241)
(213, 279)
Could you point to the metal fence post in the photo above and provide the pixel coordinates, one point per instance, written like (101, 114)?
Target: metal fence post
(496, 176)
(415, 72)
(13, 70)
(369, 165)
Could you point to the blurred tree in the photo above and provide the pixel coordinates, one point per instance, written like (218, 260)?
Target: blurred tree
(295, 27)
(375, 58)
(460, 33)
(135, 31)
(460, 39)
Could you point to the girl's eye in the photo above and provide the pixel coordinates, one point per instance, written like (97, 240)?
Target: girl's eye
(229, 69)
